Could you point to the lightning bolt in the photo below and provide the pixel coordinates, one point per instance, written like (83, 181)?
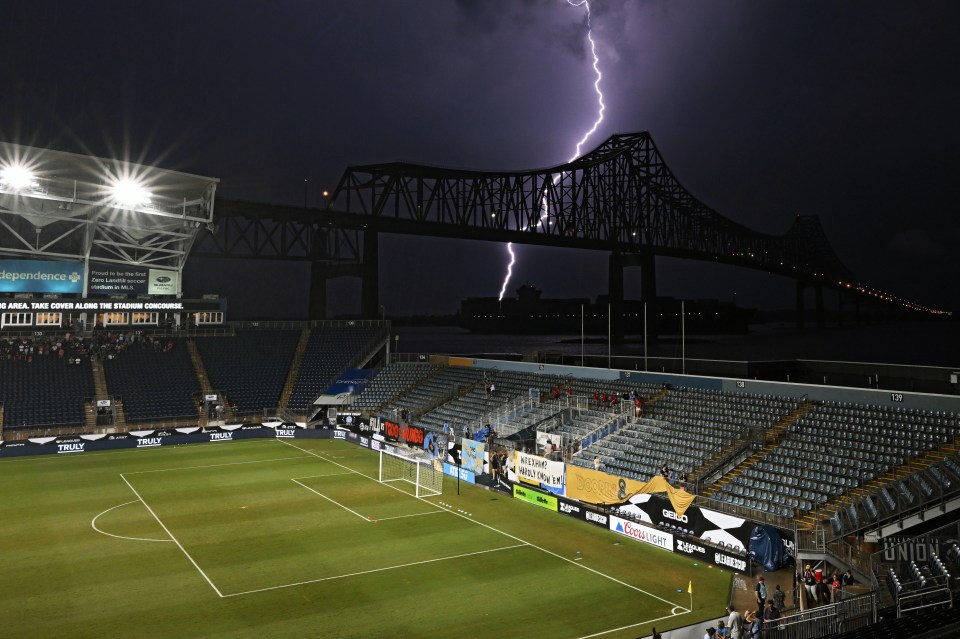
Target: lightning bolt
(601, 107)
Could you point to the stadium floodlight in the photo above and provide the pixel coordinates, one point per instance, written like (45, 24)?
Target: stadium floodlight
(129, 194)
(17, 178)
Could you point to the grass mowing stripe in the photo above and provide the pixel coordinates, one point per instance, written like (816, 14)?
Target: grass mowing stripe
(256, 461)
(375, 570)
(506, 534)
(182, 549)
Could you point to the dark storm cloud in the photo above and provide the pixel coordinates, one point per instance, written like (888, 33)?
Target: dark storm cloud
(763, 110)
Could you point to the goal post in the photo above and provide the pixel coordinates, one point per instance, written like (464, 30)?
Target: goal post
(399, 466)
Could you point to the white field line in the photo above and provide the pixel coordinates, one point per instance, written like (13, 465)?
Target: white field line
(506, 534)
(93, 522)
(334, 502)
(353, 472)
(633, 625)
(372, 571)
(174, 539)
(429, 512)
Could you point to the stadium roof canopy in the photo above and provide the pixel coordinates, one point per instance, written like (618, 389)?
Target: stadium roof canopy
(62, 205)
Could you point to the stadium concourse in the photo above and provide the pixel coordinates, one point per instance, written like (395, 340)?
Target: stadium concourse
(781, 475)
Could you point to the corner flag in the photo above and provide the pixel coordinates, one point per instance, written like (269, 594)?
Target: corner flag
(690, 587)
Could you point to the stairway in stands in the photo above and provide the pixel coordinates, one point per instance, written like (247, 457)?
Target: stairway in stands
(100, 391)
(913, 465)
(206, 387)
(771, 439)
(294, 371)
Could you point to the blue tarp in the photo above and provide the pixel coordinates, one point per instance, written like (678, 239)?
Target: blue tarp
(766, 548)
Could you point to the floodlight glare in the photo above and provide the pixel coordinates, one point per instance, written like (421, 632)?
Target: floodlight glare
(17, 178)
(129, 194)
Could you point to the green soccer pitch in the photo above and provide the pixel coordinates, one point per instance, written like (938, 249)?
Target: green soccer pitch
(278, 538)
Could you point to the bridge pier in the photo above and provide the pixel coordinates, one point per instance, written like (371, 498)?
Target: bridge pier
(370, 274)
(615, 293)
(801, 310)
(317, 304)
(821, 317)
(648, 292)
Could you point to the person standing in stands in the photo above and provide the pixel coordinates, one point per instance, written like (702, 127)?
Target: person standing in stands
(753, 625)
(770, 613)
(760, 592)
(779, 599)
(735, 623)
(810, 585)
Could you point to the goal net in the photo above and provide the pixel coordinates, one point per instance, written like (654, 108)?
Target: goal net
(421, 473)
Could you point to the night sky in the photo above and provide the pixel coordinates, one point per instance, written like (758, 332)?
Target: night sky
(763, 110)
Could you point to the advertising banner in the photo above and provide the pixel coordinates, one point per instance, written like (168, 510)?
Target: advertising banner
(537, 498)
(463, 473)
(711, 555)
(395, 432)
(596, 487)
(710, 525)
(160, 282)
(582, 512)
(471, 456)
(114, 279)
(642, 533)
(40, 276)
(351, 382)
(547, 474)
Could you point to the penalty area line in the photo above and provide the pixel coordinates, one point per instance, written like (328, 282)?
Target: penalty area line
(335, 503)
(504, 533)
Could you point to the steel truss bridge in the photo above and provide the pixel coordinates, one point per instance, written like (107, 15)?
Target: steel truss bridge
(620, 198)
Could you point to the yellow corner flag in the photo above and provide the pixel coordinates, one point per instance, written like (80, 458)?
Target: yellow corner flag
(690, 587)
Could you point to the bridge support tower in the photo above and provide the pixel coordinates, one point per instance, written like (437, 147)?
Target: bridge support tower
(370, 274)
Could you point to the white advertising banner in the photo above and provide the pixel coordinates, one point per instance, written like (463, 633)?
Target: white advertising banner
(160, 282)
(538, 470)
(642, 533)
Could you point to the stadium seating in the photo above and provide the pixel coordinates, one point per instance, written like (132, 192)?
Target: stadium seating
(154, 385)
(250, 367)
(44, 392)
(329, 351)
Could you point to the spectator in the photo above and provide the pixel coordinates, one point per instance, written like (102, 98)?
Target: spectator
(770, 613)
(735, 623)
(779, 599)
(753, 625)
(760, 594)
(835, 588)
(810, 585)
